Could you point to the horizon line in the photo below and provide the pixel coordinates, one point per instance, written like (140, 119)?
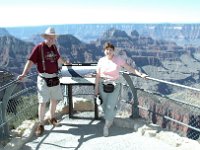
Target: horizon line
(153, 23)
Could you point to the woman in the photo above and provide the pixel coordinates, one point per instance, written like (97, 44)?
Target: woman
(107, 79)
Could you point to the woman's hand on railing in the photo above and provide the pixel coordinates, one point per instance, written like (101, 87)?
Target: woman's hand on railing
(143, 75)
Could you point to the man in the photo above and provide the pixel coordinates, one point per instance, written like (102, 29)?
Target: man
(46, 57)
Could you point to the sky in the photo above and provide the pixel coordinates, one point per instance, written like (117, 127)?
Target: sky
(50, 12)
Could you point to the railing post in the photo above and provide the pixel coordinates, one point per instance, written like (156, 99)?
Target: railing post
(4, 131)
(70, 100)
(135, 109)
(1, 120)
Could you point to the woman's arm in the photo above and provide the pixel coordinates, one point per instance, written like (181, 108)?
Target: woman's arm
(134, 71)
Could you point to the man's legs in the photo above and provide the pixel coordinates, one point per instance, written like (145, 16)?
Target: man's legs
(41, 114)
(52, 109)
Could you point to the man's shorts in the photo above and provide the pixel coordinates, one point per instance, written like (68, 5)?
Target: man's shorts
(46, 93)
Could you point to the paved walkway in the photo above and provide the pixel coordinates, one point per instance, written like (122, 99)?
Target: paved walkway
(86, 134)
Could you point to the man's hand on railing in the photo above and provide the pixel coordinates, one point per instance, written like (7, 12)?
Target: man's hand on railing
(21, 77)
(67, 62)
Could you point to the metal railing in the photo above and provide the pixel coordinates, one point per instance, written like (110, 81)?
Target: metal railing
(13, 104)
(11, 101)
(188, 117)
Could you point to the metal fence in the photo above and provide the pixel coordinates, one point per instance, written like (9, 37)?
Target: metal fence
(180, 114)
(168, 111)
(18, 103)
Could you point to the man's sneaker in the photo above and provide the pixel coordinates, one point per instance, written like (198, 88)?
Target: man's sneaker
(39, 130)
(105, 131)
(54, 122)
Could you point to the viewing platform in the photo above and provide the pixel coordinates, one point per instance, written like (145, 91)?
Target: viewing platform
(145, 119)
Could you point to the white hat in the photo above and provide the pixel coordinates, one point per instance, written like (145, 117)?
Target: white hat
(49, 31)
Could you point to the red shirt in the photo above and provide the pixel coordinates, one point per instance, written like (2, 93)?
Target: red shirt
(51, 57)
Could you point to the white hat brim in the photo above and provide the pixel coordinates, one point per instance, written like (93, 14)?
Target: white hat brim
(44, 35)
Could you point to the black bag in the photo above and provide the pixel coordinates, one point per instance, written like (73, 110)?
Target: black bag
(108, 88)
(52, 81)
